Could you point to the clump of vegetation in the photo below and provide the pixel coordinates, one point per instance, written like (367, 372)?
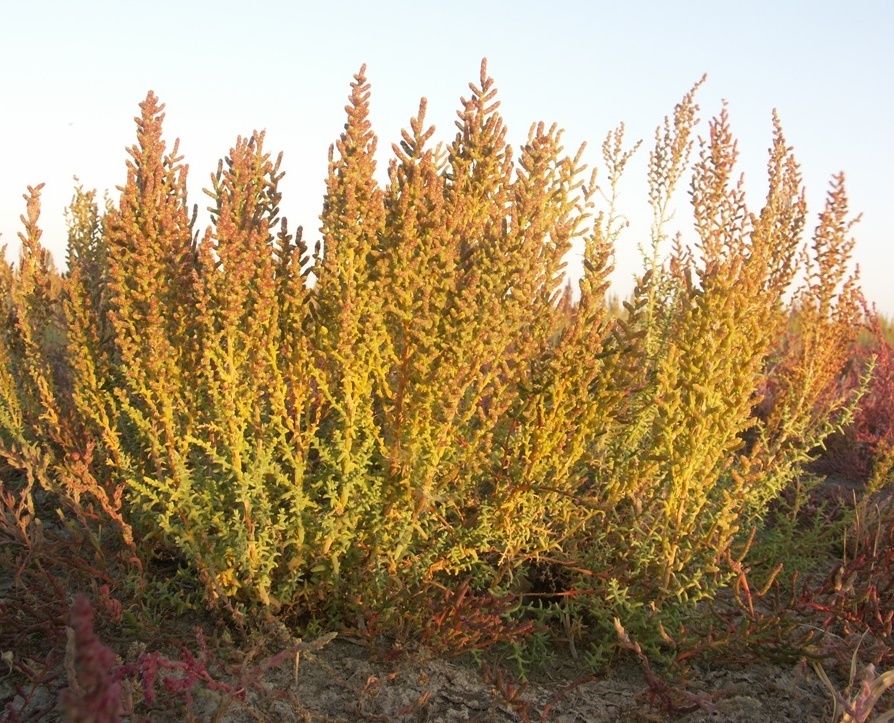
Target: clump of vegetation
(417, 426)
(863, 452)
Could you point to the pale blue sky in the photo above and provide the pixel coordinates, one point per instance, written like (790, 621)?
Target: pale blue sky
(73, 74)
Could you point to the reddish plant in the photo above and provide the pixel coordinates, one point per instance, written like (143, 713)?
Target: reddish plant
(860, 451)
(463, 621)
(857, 598)
(95, 677)
(179, 678)
(94, 691)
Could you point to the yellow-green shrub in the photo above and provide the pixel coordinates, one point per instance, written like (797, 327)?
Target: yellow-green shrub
(420, 405)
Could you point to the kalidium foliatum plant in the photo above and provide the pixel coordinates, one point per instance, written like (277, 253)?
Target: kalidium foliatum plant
(422, 417)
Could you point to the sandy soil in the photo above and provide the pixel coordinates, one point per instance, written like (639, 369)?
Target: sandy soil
(341, 683)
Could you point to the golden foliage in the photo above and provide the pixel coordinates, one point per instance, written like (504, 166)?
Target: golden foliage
(422, 403)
